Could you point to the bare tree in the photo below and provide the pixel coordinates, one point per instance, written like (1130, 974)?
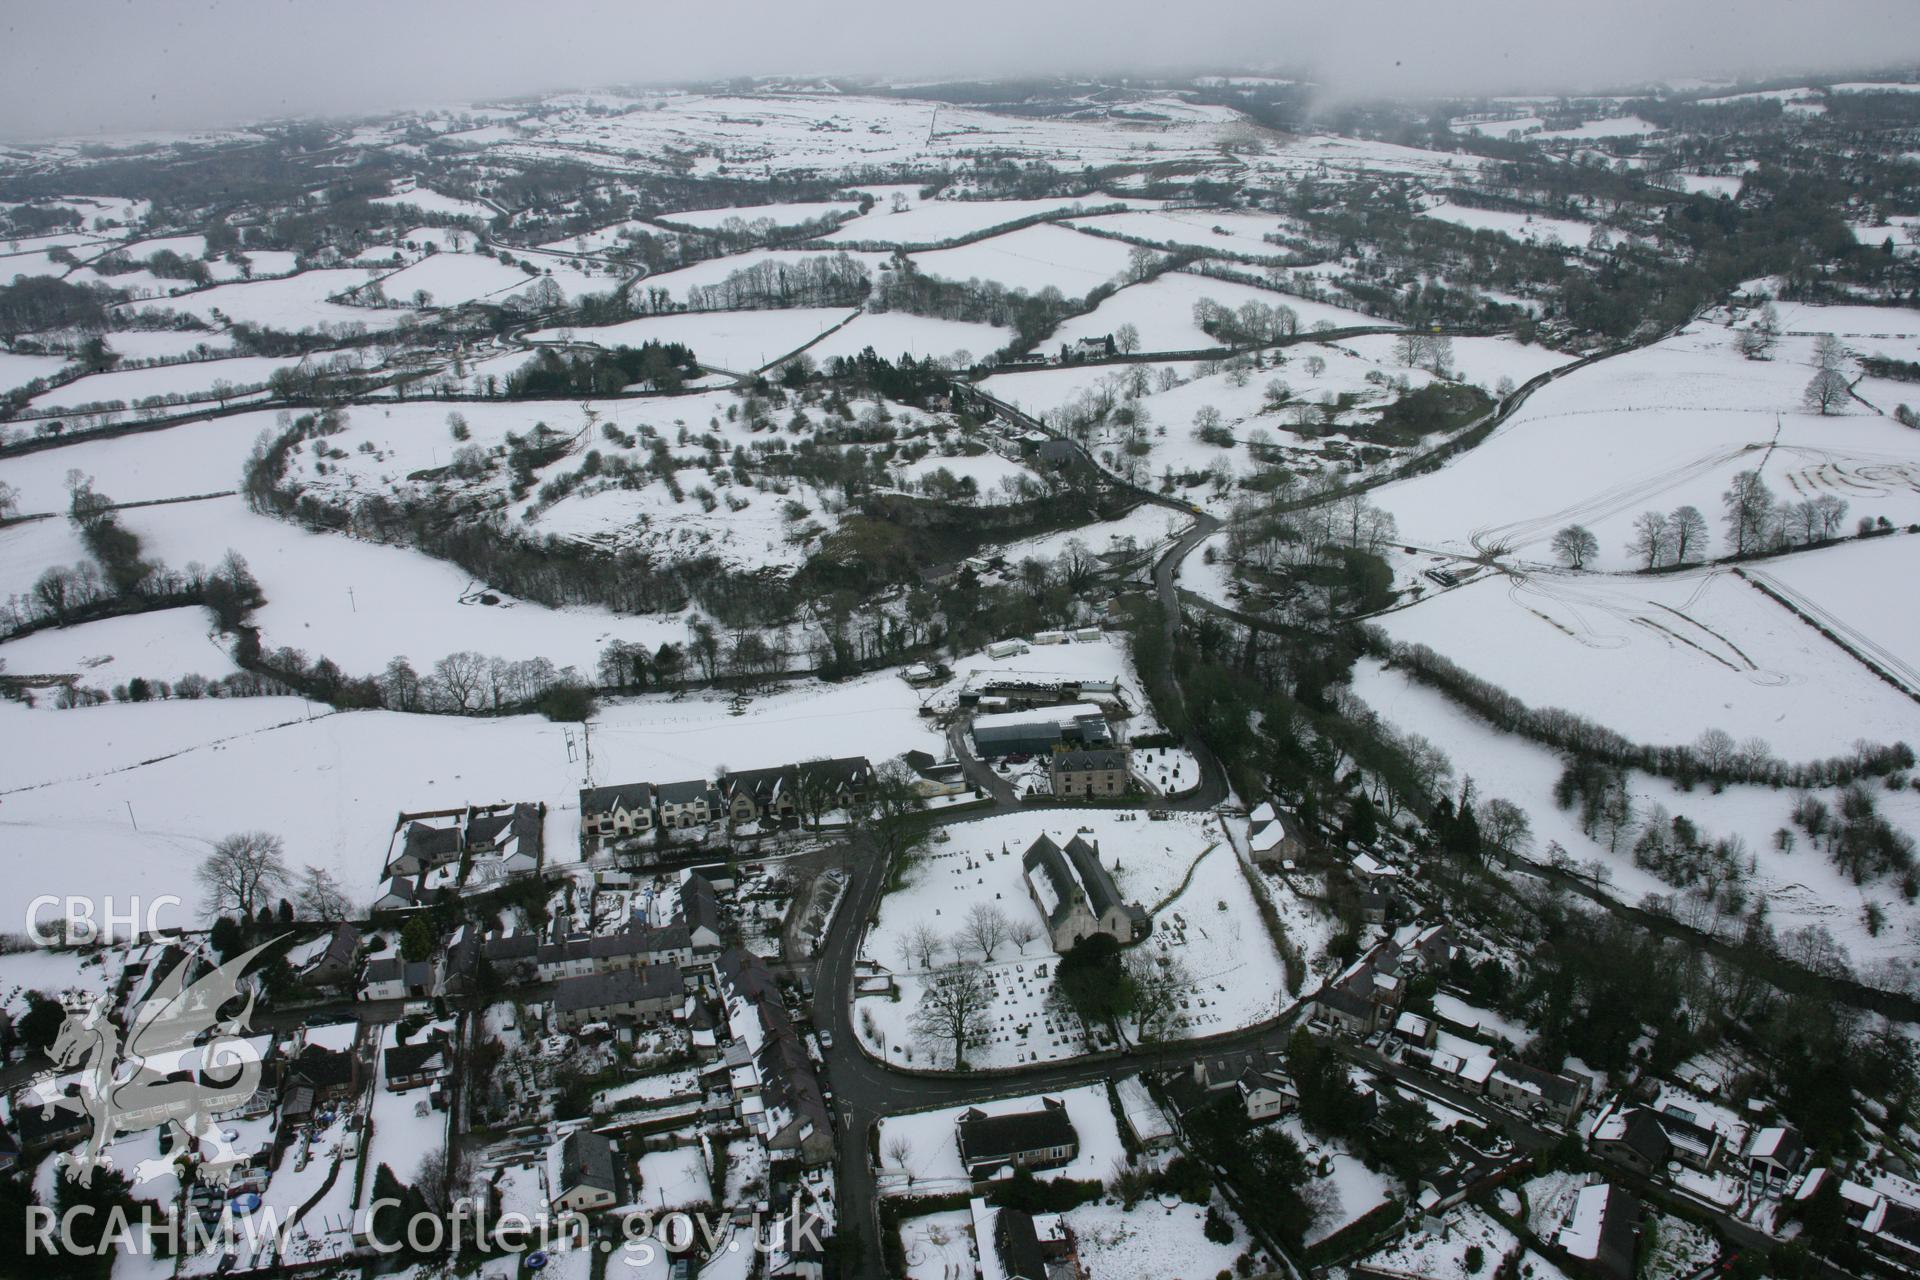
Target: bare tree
(921, 946)
(1505, 825)
(986, 928)
(1127, 338)
(1021, 932)
(952, 1013)
(242, 873)
(1652, 538)
(899, 1149)
(320, 896)
(460, 678)
(1689, 532)
(1826, 392)
(1576, 545)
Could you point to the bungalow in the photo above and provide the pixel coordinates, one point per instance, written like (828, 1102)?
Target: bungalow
(643, 994)
(1099, 772)
(1523, 1087)
(688, 804)
(583, 1173)
(325, 1074)
(1043, 1139)
(508, 839)
(1077, 896)
(626, 810)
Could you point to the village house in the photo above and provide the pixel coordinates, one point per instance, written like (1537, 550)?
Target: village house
(700, 913)
(840, 782)
(425, 845)
(645, 993)
(583, 1173)
(1043, 1139)
(775, 1090)
(1099, 772)
(1266, 1092)
(417, 1065)
(626, 810)
(1603, 1231)
(1634, 1137)
(1695, 1144)
(1527, 1088)
(753, 795)
(634, 946)
(391, 978)
(1776, 1153)
(335, 964)
(506, 840)
(688, 804)
(1077, 896)
(400, 893)
(1268, 838)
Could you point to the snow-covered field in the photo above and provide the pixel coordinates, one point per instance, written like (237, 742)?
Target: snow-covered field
(1655, 429)
(1538, 229)
(938, 221)
(785, 215)
(1202, 228)
(681, 282)
(740, 341)
(1162, 311)
(194, 381)
(292, 303)
(1660, 659)
(162, 646)
(892, 333)
(1800, 888)
(1033, 258)
(429, 201)
(1853, 589)
(193, 772)
(453, 279)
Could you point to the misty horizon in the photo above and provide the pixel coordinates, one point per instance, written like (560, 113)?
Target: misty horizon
(227, 65)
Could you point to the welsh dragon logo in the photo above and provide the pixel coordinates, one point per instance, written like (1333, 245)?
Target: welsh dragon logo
(180, 1063)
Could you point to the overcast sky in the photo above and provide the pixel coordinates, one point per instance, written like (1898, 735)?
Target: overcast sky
(76, 67)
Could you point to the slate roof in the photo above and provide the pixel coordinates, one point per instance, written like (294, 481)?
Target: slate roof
(433, 844)
(1105, 758)
(1072, 869)
(619, 987)
(586, 1160)
(629, 796)
(986, 1139)
(689, 792)
(1018, 1246)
